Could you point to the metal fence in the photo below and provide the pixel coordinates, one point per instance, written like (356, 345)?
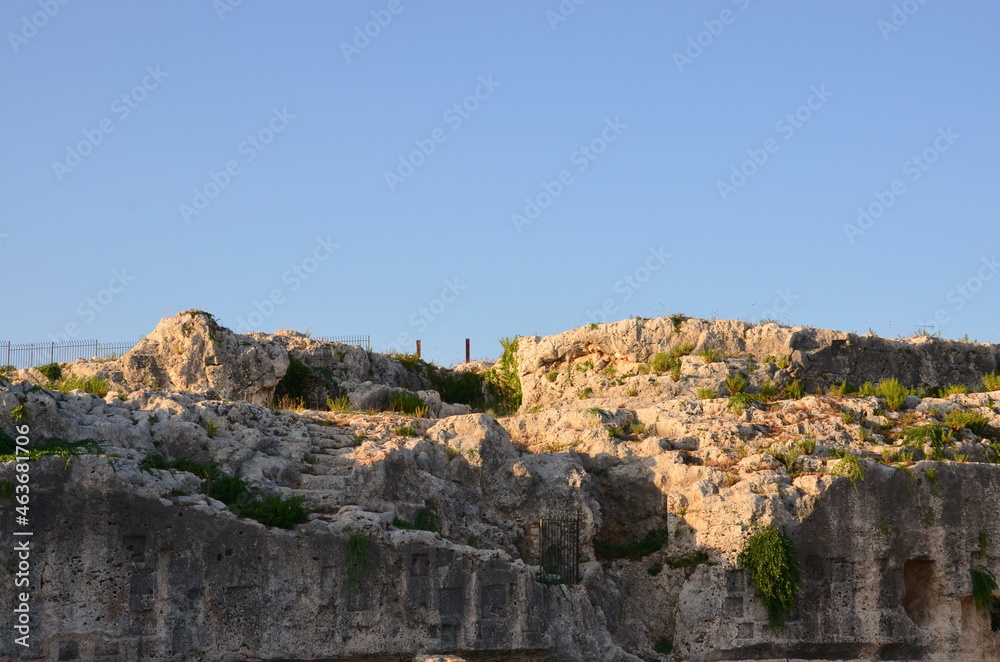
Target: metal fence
(559, 548)
(32, 355)
(361, 341)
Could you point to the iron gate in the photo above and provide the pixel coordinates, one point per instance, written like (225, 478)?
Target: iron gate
(559, 547)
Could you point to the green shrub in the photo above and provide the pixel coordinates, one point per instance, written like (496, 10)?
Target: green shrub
(849, 466)
(586, 393)
(206, 470)
(552, 376)
(784, 361)
(868, 388)
(19, 413)
(405, 431)
(405, 402)
(154, 461)
(708, 355)
(736, 383)
(505, 379)
(706, 393)
(343, 403)
(984, 583)
(633, 550)
(677, 320)
(772, 565)
(893, 392)
(610, 371)
(688, 560)
(296, 384)
(92, 385)
(51, 371)
(427, 519)
(57, 447)
(788, 458)
(956, 389)
(991, 381)
(660, 363)
(973, 421)
(465, 387)
(842, 389)
(273, 510)
(738, 402)
(795, 390)
(935, 434)
(227, 489)
(768, 390)
(357, 555)
(664, 645)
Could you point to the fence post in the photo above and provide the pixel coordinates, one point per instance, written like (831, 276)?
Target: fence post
(97, 350)
(8, 353)
(468, 355)
(418, 349)
(52, 353)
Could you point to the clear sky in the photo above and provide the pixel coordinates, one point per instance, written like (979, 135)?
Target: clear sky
(441, 170)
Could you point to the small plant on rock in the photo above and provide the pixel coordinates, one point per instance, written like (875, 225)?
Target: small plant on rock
(973, 421)
(736, 383)
(708, 355)
(705, 393)
(849, 466)
(984, 583)
(991, 381)
(795, 390)
(772, 565)
(893, 392)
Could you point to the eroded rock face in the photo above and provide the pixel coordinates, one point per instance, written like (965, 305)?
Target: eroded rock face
(191, 351)
(612, 360)
(424, 538)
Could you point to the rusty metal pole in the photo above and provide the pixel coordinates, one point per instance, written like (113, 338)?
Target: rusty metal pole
(468, 355)
(418, 349)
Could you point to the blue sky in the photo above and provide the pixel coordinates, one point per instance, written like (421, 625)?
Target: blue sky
(489, 169)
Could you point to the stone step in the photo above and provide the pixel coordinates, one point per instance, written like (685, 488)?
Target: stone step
(326, 482)
(334, 441)
(321, 500)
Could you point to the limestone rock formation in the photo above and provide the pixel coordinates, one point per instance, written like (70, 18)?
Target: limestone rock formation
(564, 366)
(192, 351)
(165, 523)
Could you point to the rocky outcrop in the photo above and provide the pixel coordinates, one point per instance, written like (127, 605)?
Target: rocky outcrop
(613, 360)
(193, 352)
(424, 536)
